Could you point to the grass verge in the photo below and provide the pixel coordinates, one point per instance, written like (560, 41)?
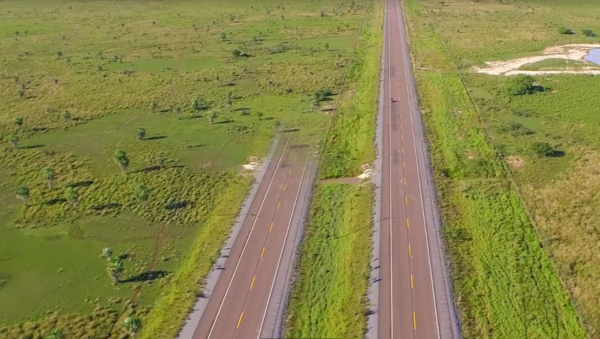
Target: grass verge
(505, 286)
(328, 298)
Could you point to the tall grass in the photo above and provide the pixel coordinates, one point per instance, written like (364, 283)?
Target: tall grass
(504, 283)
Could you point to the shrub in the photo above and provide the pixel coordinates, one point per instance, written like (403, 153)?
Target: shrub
(521, 84)
(542, 149)
(588, 32)
(236, 52)
(565, 30)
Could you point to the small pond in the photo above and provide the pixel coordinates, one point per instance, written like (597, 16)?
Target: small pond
(593, 56)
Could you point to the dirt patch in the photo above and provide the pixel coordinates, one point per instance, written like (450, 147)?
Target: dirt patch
(253, 165)
(515, 161)
(575, 52)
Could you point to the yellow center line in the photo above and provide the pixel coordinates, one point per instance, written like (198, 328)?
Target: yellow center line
(409, 250)
(407, 223)
(271, 227)
(405, 181)
(252, 285)
(278, 205)
(284, 186)
(240, 320)
(403, 165)
(402, 149)
(414, 320)
(262, 253)
(412, 282)
(406, 200)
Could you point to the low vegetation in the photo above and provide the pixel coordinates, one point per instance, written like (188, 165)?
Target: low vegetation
(328, 298)
(505, 285)
(127, 132)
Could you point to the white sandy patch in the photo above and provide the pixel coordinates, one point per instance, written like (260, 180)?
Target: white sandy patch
(368, 171)
(253, 165)
(575, 52)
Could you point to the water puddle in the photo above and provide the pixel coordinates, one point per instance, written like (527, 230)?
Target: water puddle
(593, 56)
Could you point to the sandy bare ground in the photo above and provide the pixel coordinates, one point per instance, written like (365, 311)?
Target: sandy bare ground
(574, 52)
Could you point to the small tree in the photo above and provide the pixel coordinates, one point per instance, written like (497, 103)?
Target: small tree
(211, 117)
(229, 103)
(66, 115)
(326, 46)
(49, 176)
(142, 192)
(107, 253)
(55, 334)
(322, 14)
(14, 140)
(542, 149)
(72, 196)
(18, 121)
(178, 112)
(161, 162)
(565, 30)
(131, 326)
(141, 133)
(153, 107)
(59, 54)
(23, 194)
(521, 84)
(223, 36)
(21, 93)
(122, 159)
(314, 104)
(236, 52)
(259, 115)
(114, 268)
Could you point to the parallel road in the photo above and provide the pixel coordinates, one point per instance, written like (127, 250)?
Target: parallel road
(413, 301)
(238, 305)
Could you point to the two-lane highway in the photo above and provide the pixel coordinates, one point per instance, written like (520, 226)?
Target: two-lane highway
(407, 305)
(237, 307)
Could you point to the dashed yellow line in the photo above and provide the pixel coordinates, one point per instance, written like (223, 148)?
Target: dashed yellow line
(407, 223)
(412, 282)
(271, 228)
(403, 165)
(252, 285)
(404, 181)
(284, 186)
(262, 253)
(240, 320)
(414, 320)
(409, 250)
(403, 149)
(279, 203)
(406, 200)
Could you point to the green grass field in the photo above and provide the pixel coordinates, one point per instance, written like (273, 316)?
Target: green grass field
(506, 270)
(328, 298)
(78, 79)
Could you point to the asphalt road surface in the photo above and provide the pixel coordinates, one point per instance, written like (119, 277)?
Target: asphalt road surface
(238, 305)
(413, 299)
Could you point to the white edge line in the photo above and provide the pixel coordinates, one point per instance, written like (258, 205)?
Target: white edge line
(248, 239)
(437, 323)
(390, 222)
(262, 322)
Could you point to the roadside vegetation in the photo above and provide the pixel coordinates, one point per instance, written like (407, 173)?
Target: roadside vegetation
(328, 298)
(506, 284)
(122, 138)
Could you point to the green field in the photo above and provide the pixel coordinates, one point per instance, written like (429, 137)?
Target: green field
(77, 79)
(328, 298)
(521, 226)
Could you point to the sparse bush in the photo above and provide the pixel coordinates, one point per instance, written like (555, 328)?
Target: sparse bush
(18, 121)
(588, 32)
(521, 84)
(565, 30)
(236, 52)
(141, 133)
(223, 36)
(542, 149)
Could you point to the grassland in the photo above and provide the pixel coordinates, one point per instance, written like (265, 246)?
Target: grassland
(328, 298)
(505, 282)
(80, 79)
